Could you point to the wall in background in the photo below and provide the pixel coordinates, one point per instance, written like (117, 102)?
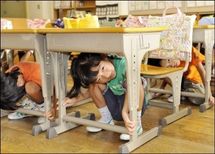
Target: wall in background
(40, 9)
(13, 9)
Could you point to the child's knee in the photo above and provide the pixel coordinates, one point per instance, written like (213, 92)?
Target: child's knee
(32, 88)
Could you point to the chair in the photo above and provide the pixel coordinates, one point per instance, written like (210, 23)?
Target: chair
(176, 43)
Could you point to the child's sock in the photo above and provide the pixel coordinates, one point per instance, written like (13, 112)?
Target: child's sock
(139, 122)
(105, 114)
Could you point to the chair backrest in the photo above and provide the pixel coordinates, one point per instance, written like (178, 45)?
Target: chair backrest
(176, 41)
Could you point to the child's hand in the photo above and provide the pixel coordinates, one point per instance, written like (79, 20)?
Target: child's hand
(130, 125)
(211, 100)
(69, 101)
(174, 63)
(51, 115)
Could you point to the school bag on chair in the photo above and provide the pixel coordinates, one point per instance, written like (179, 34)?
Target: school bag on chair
(175, 43)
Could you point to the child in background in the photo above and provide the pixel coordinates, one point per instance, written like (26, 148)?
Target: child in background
(106, 79)
(193, 79)
(18, 80)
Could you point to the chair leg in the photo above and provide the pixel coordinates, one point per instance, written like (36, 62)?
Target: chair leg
(177, 114)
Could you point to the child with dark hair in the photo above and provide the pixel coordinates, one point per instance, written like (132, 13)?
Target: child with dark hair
(23, 79)
(193, 79)
(10, 92)
(106, 79)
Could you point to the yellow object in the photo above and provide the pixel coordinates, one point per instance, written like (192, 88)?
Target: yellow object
(89, 22)
(86, 22)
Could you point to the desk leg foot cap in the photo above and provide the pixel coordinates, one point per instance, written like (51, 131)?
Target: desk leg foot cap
(202, 108)
(92, 116)
(123, 149)
(36, 130)
(159, 130)
(163, 122)
(51, 133)
(78, 114)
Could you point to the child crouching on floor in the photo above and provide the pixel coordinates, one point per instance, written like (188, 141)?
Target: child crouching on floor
(23, 79)
(193, 79)
(105, 78)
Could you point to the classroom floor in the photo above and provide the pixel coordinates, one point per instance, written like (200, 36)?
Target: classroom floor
(192, 134)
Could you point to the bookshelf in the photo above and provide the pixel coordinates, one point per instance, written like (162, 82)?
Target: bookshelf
(64, 8)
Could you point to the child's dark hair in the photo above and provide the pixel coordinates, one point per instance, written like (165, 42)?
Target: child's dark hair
(10, 92)
(81, 71)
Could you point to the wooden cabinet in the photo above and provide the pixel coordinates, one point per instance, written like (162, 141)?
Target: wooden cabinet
(64, 8)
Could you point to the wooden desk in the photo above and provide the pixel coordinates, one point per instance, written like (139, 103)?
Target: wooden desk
(205, 35)
(28, 39)
(133, 43)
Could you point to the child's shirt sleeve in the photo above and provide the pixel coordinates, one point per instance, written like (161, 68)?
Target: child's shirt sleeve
(197, 56)
(116, 85)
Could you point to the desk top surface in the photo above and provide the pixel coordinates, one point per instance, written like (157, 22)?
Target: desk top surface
(204, 27)
(96, 30)
(30, 31)
(102, 30)
(86, 30)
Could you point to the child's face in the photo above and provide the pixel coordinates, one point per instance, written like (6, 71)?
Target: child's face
(169, 63)
(106, 72)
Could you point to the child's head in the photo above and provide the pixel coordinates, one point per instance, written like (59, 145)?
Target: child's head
(10, 92)
(90, 68)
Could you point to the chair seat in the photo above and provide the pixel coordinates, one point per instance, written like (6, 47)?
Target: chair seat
(155, 70)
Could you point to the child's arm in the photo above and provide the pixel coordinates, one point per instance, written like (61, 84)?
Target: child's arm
(202, 73)
(125, 115)
(84, 94)
(12, 68)
(125, 111)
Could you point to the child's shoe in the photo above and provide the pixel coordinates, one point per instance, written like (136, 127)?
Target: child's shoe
(95, 129)
(17, 115)
(170, 99)
(29, 105)
(126, 137)
(40, 107)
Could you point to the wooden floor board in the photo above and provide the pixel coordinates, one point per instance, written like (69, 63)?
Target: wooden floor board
(191, 134)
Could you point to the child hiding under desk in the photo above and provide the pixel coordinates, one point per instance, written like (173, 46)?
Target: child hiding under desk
(193, 79)
(105, 78)
(21, 81)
